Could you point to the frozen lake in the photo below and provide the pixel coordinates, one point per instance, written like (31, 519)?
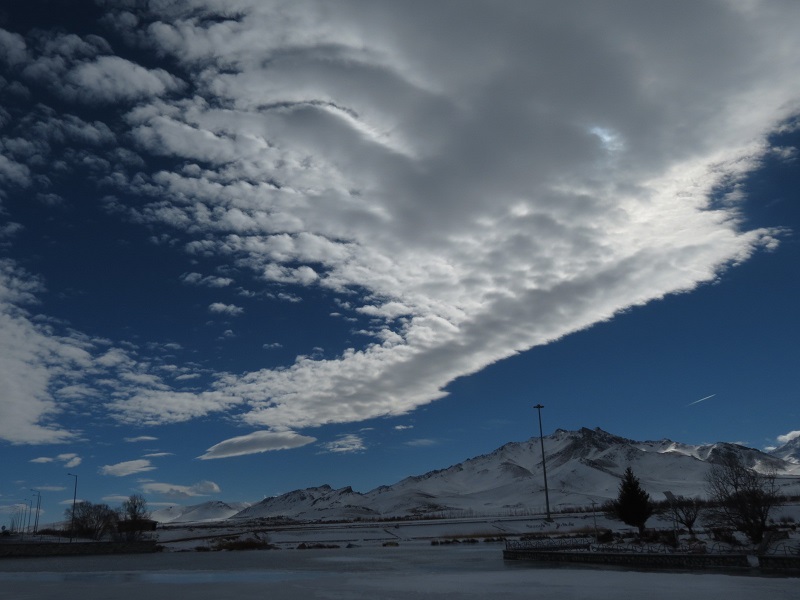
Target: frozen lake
(407, 572)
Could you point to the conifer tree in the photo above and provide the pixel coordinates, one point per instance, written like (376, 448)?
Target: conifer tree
(633, 505)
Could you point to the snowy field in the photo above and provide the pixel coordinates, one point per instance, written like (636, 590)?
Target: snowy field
(413, 570)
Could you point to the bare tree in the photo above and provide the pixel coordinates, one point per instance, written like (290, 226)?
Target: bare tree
(685, 511)
(134, 516)
(135, 508)
(741, 498)
(92, 520)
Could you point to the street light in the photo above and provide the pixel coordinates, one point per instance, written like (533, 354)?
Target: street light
(74, 497)
(38, 508)
(539, 408)
(26, 504)
(30, 510)
(19, 511)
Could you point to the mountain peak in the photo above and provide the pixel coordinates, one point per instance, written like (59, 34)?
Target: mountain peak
(582, 466)
(790, 451)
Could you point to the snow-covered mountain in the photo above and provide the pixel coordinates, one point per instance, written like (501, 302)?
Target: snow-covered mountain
(199, 513)
(789, 452)
(582, 466)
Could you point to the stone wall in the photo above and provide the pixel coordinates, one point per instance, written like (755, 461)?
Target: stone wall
(634, 559)
(780, 563)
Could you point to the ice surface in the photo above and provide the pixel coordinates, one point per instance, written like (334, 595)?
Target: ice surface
(409, 572)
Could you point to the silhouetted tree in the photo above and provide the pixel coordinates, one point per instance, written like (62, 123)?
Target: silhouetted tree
(92, 520)
(633, 505)
(685, 511)
(741, 498)
(134, 517)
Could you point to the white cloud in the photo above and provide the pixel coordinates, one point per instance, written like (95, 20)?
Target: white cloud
(403, 427)
(187, 376)
(28, 410)
(228, 309)
(69, 501)
(345, 444)
(156, 407)
(129, 467)
(477, 226)
(141, 438)
(258, 441)
(70, 460)
(788, 437)
(209, 280)
(474, 189)
(114, 79)
(13, 48)
(201, 488)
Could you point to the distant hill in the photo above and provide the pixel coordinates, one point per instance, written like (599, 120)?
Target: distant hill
(198, 513)
(582, 466)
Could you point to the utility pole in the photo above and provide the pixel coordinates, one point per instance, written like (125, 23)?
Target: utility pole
(74, 498)
(539, 408)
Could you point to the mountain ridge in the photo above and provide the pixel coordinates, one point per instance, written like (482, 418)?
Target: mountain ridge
(583, 467)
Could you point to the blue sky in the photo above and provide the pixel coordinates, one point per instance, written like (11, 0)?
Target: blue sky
(248, 247)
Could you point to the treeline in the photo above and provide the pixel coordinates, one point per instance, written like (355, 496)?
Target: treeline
(739, 499)
(97, 521)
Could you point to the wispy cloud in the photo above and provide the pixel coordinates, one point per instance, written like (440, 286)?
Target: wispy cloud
(345, 444)
(70, 460)
(209, 280)
(141, 438)
(421, 442)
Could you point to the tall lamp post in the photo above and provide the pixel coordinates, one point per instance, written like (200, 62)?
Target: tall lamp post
(30, 510)
(38, 508)
(539, 408)
(25, 515)
(74, 498)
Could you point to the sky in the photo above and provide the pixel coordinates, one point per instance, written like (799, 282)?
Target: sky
(248, 247)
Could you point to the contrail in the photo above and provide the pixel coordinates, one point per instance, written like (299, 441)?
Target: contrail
(701, 399)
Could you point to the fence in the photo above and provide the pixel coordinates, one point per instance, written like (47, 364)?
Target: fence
(784, 558)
